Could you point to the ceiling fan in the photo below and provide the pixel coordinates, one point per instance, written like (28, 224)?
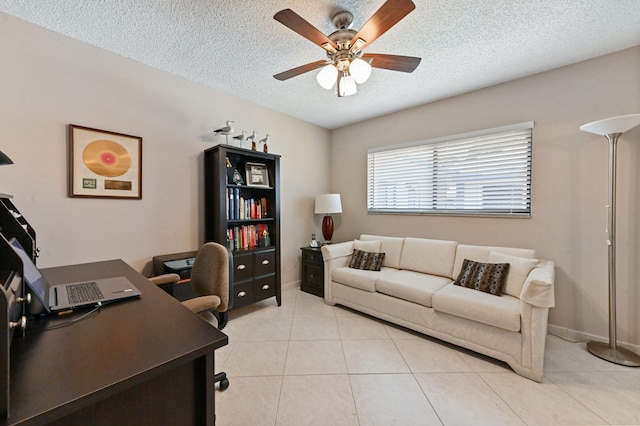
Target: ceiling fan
(346, 64)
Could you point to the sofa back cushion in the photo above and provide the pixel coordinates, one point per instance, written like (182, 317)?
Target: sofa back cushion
(372, 246)
(390, 246)
(433, 257)
(482, 253)
(518, 272)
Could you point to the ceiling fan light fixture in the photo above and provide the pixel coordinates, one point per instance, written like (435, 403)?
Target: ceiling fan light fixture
(344, 67)
(327, 76)
(347, 86)
(360, 70)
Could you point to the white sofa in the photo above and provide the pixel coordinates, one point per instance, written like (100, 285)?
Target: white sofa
(414, 288)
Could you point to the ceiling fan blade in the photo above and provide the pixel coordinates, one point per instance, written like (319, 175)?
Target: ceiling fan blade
(392, 62)
(295, 22)
(386, 17)
(293, 72)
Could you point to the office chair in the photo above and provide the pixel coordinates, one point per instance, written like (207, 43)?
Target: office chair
(210, 282)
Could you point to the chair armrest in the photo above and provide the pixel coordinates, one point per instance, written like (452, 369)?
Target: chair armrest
(538, 287)
(165, 279)
(202, 303)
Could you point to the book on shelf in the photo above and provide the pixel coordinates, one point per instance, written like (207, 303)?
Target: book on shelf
(246, 237)
(240, 208)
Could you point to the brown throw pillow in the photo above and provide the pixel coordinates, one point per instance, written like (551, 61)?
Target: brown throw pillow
(487, 277)
(366, 260)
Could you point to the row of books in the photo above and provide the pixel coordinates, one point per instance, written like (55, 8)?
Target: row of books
(248, 236)
(239, 208)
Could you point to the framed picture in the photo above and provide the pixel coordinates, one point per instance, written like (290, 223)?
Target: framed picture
(104, 164)
(257, 174)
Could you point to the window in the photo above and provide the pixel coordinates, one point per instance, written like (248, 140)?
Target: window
(480, 173)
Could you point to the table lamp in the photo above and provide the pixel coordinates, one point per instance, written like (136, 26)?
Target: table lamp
(328, 204)
(612, 128)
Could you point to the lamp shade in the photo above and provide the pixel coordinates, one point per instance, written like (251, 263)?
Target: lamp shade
(4, 159)
(328, 204)
(360, 70)
(327, 76)
(611, 125)
(347, 86)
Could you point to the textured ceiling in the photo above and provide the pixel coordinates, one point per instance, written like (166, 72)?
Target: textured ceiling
(236, 46)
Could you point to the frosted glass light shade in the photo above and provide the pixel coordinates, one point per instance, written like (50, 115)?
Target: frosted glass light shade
(347, 86)
(328, 204)
(360, 70)
(611, 125)
(327, 76)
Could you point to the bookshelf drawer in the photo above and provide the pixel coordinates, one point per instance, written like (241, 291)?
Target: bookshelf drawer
(243, 294)
(242, 267)
(265, 262)
(265, 287)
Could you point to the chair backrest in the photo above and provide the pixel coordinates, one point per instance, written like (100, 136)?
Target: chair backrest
(210, 273)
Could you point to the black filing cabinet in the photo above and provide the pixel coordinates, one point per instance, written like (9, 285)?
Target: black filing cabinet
(312, 280)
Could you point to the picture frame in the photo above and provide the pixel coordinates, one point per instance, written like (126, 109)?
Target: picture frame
(257, 174)
(104, 164)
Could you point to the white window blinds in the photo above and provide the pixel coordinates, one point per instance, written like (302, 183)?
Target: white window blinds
(480, 173)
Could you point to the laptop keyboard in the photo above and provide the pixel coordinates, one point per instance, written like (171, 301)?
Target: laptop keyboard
(84, 292)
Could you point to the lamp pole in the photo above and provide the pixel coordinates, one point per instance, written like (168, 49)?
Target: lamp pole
(612, 128)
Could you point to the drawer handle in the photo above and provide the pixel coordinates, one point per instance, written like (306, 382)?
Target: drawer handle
(266, 287)
(265, 262)
(242, 294)
(311, 276)
(312, 257)
(241, 267)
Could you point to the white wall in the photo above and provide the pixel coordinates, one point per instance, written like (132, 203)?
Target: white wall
(569, 181)
(49, 81)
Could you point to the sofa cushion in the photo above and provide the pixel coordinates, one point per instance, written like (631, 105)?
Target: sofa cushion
(391, 246)
(502, 312)
(372, 246)
(518, 271)
(358, 278)
(486, 277)
(366, 260)
(411, 286)
(429, 256)
(482, 253)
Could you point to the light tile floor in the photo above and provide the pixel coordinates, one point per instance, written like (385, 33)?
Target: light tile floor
(308, 363)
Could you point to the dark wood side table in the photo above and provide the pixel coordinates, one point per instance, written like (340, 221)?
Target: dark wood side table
(312, 280)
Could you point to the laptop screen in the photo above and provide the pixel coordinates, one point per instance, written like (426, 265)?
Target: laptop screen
(32, 276)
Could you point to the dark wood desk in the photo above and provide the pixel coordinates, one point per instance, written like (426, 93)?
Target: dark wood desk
(142, 361)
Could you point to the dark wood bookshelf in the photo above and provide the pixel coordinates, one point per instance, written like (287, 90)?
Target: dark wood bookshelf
(241, 215)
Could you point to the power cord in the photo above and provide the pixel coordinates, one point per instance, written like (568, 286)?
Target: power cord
(95, 309)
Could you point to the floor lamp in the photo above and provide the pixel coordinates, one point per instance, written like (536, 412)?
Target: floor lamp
(612, 128)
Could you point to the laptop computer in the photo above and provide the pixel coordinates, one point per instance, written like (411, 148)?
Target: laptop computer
(63, 297)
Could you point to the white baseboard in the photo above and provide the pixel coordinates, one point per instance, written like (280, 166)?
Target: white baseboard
(580, 336)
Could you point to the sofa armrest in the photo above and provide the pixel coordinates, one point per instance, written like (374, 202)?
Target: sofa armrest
(333, 251)
(538, 287)
(334, 256)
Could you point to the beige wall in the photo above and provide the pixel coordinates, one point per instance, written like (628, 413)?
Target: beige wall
(49, 81)
(569, 181)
